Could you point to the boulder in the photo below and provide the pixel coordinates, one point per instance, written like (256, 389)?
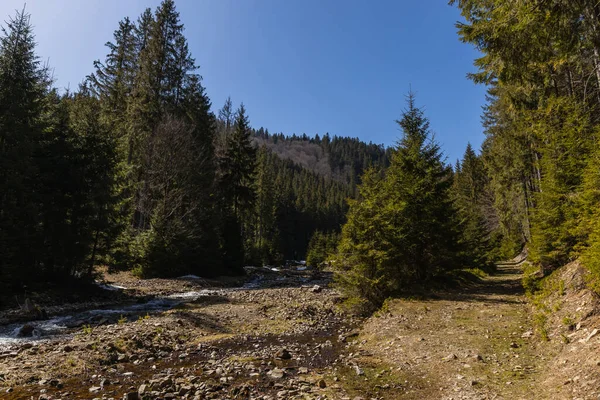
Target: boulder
(283, 355)
(277, 373)
(26, 331)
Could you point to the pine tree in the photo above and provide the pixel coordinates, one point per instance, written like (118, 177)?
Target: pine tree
(403, 227)
(23, 87)
(471, 195)
(113, 79)
(265, 235)
(238, 166)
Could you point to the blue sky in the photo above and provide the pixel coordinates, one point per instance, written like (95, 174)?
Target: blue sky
(299, 66)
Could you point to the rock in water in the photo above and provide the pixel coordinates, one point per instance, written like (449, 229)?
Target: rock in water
(317, 289)
(26, 331)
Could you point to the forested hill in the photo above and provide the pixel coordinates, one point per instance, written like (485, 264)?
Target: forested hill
(341, 158)
(314, 177)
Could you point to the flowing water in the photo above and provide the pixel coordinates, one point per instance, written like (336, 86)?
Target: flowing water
(60, 325)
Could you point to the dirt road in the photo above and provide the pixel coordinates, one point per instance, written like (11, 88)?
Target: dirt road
(472, 343)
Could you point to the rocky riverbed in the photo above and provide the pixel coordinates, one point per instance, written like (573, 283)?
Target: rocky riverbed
(281, 335)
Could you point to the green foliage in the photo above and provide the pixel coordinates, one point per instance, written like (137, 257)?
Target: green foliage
(541, 63)
(402, 229)
(474, 202)
(531, 279)
(321, 247)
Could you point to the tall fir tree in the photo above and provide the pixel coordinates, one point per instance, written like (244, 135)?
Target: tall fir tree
(403, 227)
(24, 84)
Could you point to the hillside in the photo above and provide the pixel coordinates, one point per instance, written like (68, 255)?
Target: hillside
(341, 158)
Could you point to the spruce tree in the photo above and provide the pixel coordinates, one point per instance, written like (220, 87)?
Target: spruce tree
(238, 166)
(403, 227)
(23, 87)
(471, 196)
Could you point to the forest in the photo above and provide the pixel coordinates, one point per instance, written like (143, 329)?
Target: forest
(134, 171)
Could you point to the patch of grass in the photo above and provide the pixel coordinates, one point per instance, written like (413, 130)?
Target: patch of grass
(120, 345)
(569, 323)
(87, 330)
(459, 277)
(384, 309)
(122, 320)
(531, 279)
(561, 287)
(73, 366)
(540, 319)
(479, 273)
(143, 318)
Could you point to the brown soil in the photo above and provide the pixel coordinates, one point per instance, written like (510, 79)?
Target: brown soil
(486, 341)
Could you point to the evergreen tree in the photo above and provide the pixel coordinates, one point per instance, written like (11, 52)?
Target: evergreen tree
(238, 165)
(23, 87)
(264, 239)
(471, 195)
(403, 227)
(236, 183)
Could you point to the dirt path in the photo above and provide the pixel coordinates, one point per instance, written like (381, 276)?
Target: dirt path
(475, 343)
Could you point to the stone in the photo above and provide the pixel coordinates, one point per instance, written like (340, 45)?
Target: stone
(358, 371)
(56, 383)
(94, 389)
(277, 373)
(527, 334)
(316, 289)
(591, 335)
(322, 384)
(283, 355)
(142, 389)
(26, 331)
(450, 357)
(131, 396)
(67, 349)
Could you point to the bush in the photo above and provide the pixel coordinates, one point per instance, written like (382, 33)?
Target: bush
(321, 247)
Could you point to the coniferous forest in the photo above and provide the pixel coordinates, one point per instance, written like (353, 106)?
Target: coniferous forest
(132, 170)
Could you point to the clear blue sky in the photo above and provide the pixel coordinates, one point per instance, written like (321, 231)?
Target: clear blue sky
(299, 66)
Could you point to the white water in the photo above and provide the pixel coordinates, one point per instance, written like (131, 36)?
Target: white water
(60, 325)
